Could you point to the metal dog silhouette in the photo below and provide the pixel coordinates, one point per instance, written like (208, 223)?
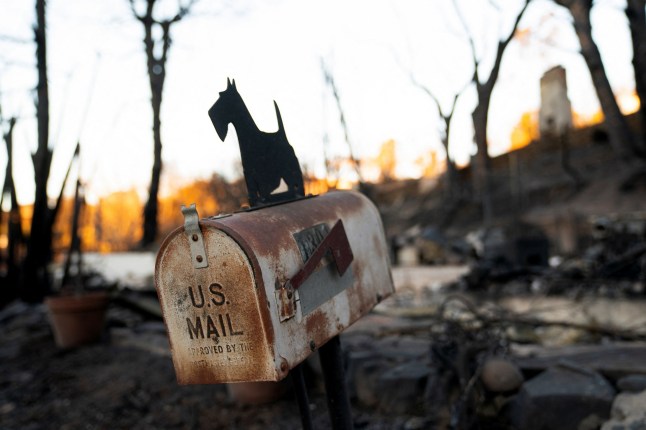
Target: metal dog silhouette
(266, 157)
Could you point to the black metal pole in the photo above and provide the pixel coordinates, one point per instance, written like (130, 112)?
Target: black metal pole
(300, 391)
(338, 402)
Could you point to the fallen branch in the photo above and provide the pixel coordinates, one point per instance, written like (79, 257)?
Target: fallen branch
(503, 317)
(506, 317)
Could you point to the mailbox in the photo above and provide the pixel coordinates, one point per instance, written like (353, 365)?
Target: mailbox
(248, 296)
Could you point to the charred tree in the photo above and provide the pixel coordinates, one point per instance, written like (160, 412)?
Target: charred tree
(14, 230)
(451, 169)
(480, 115)
(329, 80)
(637, 23)
(35, 280)
(621, 137)
(74, 254)
(156, 49)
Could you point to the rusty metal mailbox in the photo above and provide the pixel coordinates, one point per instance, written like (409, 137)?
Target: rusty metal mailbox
(248, 296)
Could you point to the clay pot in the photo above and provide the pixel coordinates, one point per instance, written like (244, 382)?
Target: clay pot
(77, 319)
(257, 393)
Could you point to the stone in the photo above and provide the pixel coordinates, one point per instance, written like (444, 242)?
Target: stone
(363, 375)
(591, 422)
(7, 408)
(560, 398)
(628, 412)
(632, 383)
(417, 423)
(401, 389)
(553, 336)
(500, 375)
(611, 360)
(403, 348)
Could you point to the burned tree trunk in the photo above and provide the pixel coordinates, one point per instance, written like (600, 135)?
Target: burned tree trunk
(329, 80)
(482, 166)
(156, 67)
(75, 244)
(637, 23)
(482, 169)
(451, 170)
(156, 76)
(35, 279)
(621, 137)
(14, 236)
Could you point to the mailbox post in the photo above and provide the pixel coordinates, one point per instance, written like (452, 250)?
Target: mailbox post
(249, 296)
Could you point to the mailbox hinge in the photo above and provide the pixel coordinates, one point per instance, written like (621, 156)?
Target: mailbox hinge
(286, 300)
(195, 238)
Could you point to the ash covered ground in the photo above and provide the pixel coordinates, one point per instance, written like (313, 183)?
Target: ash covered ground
(127, 381)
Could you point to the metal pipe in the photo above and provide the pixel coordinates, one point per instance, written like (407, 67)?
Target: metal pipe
(338, 401)
(300, 391)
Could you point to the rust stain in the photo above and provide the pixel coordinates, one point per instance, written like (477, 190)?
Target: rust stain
(213, 315)
(356, 302)
(286, 304)
(265, 228)
(267, 325)
(317, 327)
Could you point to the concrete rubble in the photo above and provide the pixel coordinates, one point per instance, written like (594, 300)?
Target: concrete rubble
(628, 412)
(412, 364)
(561, 398)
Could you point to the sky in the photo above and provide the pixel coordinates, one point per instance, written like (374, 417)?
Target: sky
(273, 49)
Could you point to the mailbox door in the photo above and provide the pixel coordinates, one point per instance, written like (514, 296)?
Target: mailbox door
(216, 316)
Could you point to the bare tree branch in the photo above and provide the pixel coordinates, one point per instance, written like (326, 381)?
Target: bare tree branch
(183, 11)
(329, 80)
(516, 22)
(134, 11)
(451, 169)
(13, 39)
(474, 57)
(482, 178)
(427, 91)
(445, 116)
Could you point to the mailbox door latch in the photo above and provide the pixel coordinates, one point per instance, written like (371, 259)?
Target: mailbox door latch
(286, 300)
(195, 238)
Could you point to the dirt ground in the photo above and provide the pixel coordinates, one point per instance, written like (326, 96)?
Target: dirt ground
(127, 381)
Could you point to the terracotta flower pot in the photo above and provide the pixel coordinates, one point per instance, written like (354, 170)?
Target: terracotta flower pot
(77, 319)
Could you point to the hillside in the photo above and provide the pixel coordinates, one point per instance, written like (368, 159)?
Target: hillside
(530, 184)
